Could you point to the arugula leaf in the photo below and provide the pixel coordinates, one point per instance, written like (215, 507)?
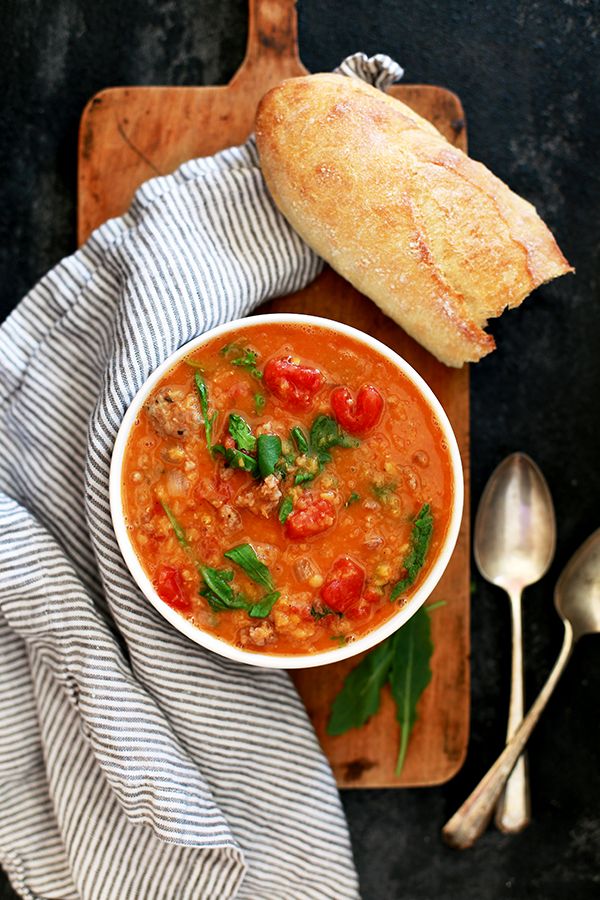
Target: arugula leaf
(359, 698)
(410, 674)
(237, 459)
(246, 360)
(325, 433)
(245, 557)
(285, 509)
(302, 477)
(263, 607)
(299, 439)
(195, 364)
(420, 537)
(209, 421)
(241, 432)
(321, 612)
(353, 498)
(177, 527)
(383, 491)
(259, 403)
(268, 453)
(217, 583)
(341, 639)
(227, 348)
(403, 660)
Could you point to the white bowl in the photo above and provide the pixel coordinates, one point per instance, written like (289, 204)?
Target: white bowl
(210, 641)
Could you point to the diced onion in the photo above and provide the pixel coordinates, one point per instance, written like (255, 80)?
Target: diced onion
(177, 483)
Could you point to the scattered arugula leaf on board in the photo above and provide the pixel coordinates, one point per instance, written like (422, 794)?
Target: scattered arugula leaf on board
(285, 509)
(419, 538)
(241, 432)
(403, 661)
(244, 556)
(410, 674)
(209, 421)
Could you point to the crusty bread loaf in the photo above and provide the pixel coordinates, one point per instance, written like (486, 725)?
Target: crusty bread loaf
(436, 240)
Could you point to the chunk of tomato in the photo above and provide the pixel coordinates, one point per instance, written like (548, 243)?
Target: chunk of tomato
(360, 415)
(170, 587)
(295, 385)
(312, 517)
(343, 585)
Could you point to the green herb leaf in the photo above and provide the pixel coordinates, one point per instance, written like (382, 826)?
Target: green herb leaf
(259, 403)
(263, 607)
(353, 498)
(268, 453)
(209, 421)
(403, 660)
(410, 674)
(383, 491)
(358, 699)
(248, 361)
(245, 360)
(300, 439)
(420, 537)
(177, 527)
(218, 592)
(325, 434)
(302, 477)
(237, 459)
(285, 509)
(228, 348)
(322, 611)
(340, 639)
(241, 432)
(195, 364)
(245, 557)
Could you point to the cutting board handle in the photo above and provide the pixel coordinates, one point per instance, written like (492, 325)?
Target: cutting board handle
(272, 45)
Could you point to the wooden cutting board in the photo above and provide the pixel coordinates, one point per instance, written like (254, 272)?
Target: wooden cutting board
(128, 135)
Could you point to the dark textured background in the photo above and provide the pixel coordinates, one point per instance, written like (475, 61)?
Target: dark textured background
(528, 74)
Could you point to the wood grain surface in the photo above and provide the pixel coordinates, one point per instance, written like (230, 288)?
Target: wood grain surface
(128, 135)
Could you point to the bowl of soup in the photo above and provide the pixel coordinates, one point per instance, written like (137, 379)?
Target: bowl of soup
(286, 490)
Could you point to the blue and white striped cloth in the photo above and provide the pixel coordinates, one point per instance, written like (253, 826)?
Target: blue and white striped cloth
(134, 764)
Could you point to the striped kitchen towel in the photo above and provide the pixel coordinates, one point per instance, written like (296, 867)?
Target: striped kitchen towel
(134, 764)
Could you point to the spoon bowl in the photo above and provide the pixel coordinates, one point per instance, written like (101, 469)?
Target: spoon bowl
(515, 528)
(577, 593)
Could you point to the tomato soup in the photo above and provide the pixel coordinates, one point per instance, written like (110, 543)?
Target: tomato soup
(286, 488)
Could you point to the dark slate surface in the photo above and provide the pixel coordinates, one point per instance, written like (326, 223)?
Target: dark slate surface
(529, 78)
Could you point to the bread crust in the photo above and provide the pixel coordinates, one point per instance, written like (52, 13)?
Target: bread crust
(433, 237)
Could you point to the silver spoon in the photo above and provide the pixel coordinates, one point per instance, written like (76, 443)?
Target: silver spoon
(515, 538)
(577, 601)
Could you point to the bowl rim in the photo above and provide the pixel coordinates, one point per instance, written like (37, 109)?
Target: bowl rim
(212, 642)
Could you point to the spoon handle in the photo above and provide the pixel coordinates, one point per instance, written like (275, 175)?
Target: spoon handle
(469, 822)
(513, 811)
